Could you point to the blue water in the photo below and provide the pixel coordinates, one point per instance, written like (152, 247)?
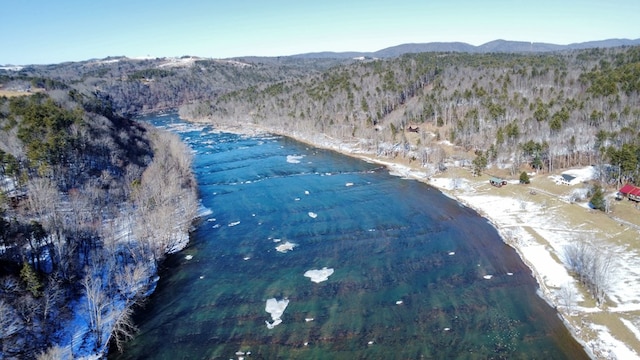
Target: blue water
(410, 266)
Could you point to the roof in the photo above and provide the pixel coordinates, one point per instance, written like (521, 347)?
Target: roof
(627, 189)
(568, 178)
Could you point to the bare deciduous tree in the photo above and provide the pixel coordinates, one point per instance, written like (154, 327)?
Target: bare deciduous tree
(592, 265)
(97, 305)
(54, 353)
(10, 322)
(123, 327)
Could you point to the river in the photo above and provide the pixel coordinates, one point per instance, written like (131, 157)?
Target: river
(415, 274)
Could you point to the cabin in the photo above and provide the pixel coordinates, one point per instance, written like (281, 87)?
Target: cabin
(497, 182)
(566, 179)
(630, 192)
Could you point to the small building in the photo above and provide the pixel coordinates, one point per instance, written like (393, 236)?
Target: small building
(566, 179)
(630, 192)
(497, 182)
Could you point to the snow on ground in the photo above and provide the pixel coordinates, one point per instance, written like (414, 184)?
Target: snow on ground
(178, 62)
(580, 175)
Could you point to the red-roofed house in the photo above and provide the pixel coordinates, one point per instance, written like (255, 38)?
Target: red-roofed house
(631, 192)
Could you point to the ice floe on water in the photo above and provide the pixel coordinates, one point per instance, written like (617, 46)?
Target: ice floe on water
(318, 276)
(233, 223)
(306, 192)
(348, 184)
(488, 277)
(285, 247)
(312, 215)
(189, 257)
(276, 309)
(294, 159)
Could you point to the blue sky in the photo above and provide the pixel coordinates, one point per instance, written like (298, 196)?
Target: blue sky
(48, 31)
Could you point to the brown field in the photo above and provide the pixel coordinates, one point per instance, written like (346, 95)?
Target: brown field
(13, 93)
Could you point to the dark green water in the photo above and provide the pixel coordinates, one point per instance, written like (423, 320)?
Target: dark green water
(388, 240)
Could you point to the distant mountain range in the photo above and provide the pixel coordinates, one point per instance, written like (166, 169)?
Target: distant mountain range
(499, 46)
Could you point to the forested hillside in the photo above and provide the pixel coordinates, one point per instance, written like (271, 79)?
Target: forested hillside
(134, 86)
(546, 111)
(89, 203)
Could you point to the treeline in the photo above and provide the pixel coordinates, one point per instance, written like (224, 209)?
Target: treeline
(89, 203)
(134, 86)
(545, 111)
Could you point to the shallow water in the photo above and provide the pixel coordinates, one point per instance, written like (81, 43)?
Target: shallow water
(416, 274)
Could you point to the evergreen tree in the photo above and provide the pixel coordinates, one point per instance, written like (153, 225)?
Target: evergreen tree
(479, 163)
(31, 280)
(524, 178)
(597, 199)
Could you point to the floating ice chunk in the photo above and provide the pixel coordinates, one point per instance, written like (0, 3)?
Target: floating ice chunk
(212, 219)
(201, 276)
(277, 240)
(234, 223)
(246, 258)
(296, 199)
(318, 276)
(215, 226)
(488, 277)
(312, 215)
(447, 329)
(451, 253)
(348, 184)
(510, 273)
(189, 257)
(294, 159)
(308, 319)
(399, 302)
(287, 246)
(306, 192)
(276, 309)
(370, 342)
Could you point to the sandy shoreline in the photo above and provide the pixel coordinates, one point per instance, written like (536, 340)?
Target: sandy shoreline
(536, 234)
